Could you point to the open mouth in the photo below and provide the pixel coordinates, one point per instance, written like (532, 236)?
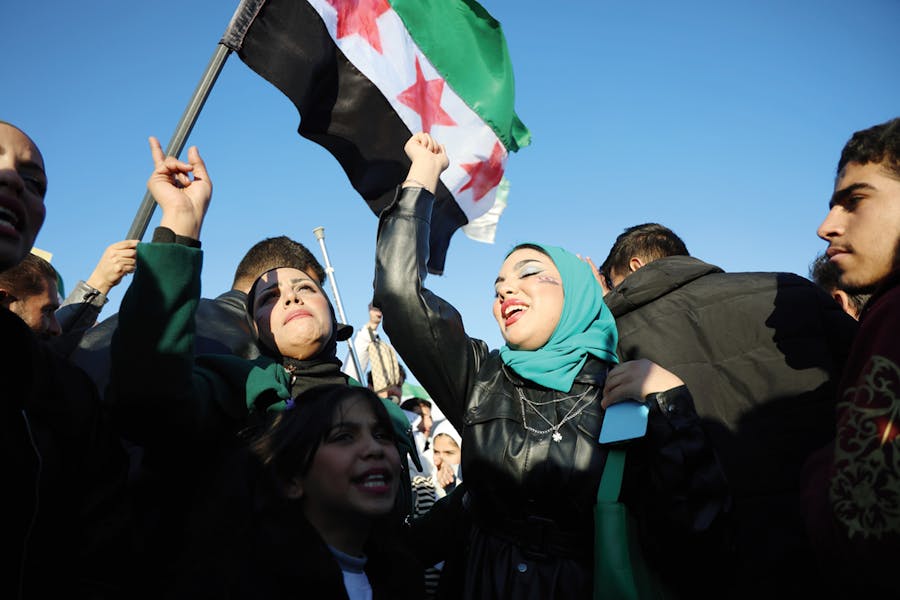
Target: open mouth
(512, 311)
(8, 219)
(376, 481)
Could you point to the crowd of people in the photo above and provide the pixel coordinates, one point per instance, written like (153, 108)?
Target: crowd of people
(189, 447)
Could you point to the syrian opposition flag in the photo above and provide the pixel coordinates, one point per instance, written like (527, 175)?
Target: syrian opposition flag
(366, 74)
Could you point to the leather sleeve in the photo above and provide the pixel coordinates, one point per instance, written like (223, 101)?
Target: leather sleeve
(426, 331)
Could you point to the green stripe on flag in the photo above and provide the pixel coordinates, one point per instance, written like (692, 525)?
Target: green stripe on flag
(467, 47)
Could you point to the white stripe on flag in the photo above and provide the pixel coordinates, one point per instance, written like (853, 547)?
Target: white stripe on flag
(393, 71)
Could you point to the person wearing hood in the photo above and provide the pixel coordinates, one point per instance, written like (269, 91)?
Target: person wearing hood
(193, 416)
(446, 454)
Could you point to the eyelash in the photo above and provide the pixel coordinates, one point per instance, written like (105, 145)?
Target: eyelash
(346, 436)
(523, 275)
(275, 293)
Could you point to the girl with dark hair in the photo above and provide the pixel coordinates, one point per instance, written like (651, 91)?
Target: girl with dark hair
(530, 415)
(322, 526)
(192, 416)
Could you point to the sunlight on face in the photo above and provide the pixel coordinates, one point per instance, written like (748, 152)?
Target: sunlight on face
(291, 313)
(529, 299)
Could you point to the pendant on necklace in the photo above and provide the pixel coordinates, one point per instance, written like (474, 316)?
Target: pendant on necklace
(557, 436)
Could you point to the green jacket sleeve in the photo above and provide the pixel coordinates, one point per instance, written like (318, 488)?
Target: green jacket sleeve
(158, 390)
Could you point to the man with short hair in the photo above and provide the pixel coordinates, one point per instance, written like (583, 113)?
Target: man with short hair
(825, 273)
(761, 354)
(419, 412)
(853, 485)
(422, 408)
(637, 246)
(30, 291)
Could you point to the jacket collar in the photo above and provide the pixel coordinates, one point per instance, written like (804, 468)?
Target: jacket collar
(655, 280)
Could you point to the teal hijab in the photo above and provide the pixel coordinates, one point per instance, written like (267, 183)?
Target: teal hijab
(585, 327)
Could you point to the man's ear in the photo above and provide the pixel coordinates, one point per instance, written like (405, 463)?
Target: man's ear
(843, 298)
(294, 489)
(635, 263)
(6, 299)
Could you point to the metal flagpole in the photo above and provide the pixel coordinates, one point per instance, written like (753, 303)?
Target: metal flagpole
(182, 131)
(320, 235)
(231, 40)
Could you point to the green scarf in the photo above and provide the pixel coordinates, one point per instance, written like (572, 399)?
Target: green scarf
(585, 327)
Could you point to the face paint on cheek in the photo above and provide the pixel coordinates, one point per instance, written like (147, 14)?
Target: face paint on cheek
(548, 279)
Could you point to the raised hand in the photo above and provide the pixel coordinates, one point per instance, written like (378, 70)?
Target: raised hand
(597, 274)
(429, 160)
(182, 190)
(118, 260)
(446, 475)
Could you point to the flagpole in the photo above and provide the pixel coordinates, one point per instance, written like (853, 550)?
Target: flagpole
(182, 131)
(319, 232)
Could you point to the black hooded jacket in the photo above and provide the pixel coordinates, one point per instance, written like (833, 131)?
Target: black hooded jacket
(761, 354)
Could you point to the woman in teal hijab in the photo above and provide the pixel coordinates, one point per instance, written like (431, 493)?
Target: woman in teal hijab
(530, 414)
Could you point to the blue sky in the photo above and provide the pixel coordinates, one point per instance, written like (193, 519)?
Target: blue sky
(722, 120)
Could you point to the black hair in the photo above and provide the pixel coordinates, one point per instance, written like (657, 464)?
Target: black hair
(272, 253)
(648, 241)
(411, 404)
(879, 144)
(29, 277)
(527, 246)
(292, 437)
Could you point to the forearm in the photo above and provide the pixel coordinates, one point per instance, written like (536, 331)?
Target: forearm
(426, 331)
(682, 463)
(152, 348)
(81, 307)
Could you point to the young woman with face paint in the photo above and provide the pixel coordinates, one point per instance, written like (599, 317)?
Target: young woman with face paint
(530, 414)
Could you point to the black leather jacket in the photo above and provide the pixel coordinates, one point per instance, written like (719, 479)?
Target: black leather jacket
(531, 498)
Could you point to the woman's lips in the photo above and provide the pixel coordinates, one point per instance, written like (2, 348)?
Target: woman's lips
(511, 317)
(296, 314)
(376, 481)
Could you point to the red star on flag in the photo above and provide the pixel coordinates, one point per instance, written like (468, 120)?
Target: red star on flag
(359, 16)
(424, 97)
(485, 175)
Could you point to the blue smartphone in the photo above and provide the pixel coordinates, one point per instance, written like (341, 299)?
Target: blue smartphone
(623, 421)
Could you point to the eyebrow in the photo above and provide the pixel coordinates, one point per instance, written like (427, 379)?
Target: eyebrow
(843, 193)
(277, 283)
(343, 425)
(517, 266)
(354, 426)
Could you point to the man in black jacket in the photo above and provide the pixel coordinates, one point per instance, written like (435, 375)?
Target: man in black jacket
(762, 353)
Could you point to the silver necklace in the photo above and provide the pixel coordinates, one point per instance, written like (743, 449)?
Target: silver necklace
(577, 408)
(556, 400)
